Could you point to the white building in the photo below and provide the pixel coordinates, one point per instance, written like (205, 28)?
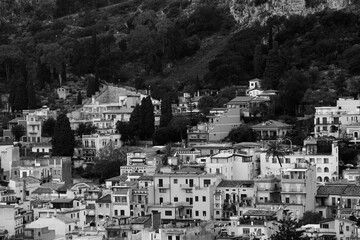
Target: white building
(332, 120)
(232, 165)
(325, 156)
(62, 225)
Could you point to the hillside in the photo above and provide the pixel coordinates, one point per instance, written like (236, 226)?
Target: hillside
(175, 45)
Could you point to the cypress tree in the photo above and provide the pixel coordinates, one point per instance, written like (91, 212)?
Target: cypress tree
(31, 95)
(63, 141)
(166, 111)
(147, 114)
(135, 121)
(79, 99)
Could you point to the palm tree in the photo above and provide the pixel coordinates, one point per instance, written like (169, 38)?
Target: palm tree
(275, 150)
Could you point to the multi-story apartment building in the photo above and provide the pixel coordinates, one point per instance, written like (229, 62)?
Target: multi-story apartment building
(142, 161)
(254, 224)
(338, 200)
(68, 208)
(9, 155)
(122, 197)
(271, 129)
(267, 189)
(106, 108)
(55, 168)
(324, 153)
(230, 195)
(298, 188)
(232, 165)
(93, 144)
(11, 220)
(332, 120)
(175, 194)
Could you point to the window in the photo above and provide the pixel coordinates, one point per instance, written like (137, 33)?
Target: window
(217, 212)
(176, 199)
(175, 181)
(168, 213)
(204, 213)
(162, 190)
(326, 160)
(196, 213)
(326, 169)
(319, 169)
(347, 228)
(196, 198)
(318, 161)
(188, 190)
(204, 198)
(116, 212)
(246, 230)
(287, 160)
(122, 212)
(169, 237)
(207, 182)
(273, 160)
(287, 200)
(161, 200)
(177, 238)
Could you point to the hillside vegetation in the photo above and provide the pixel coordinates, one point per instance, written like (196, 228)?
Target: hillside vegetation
(178, 45)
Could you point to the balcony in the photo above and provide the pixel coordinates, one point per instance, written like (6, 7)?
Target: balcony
(294, 191)
(252, 222)
(187, 186)
(163, 186)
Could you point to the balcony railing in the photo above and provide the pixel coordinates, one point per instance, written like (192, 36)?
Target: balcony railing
(163, 186)
(187, 186)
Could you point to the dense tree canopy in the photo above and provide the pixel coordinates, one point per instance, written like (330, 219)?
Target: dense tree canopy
(18, 131)
(63, 141)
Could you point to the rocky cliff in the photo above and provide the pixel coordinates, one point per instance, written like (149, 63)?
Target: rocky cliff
(249, 12)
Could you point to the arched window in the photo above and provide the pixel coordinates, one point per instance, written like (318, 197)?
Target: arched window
(326, 179)
(319, 179)
(319, 169)
(326, 169)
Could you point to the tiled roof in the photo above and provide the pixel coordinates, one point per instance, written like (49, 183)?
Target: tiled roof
(140, 220)
(31, 179)
(52, 185)
(352, 191)
(234, 183)
(43, 190)
(240, 99)
(62, 200)
(259, 213)
(104, 199)
(65, 219)
(15, 120)
(331, 190)
(146, 178)
(270, 124)
(118, 178)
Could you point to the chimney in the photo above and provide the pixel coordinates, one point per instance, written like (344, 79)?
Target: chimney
(155, 220)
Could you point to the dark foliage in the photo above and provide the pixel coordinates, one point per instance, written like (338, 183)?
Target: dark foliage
(48, 127)
(18, 131)
(63, 141)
